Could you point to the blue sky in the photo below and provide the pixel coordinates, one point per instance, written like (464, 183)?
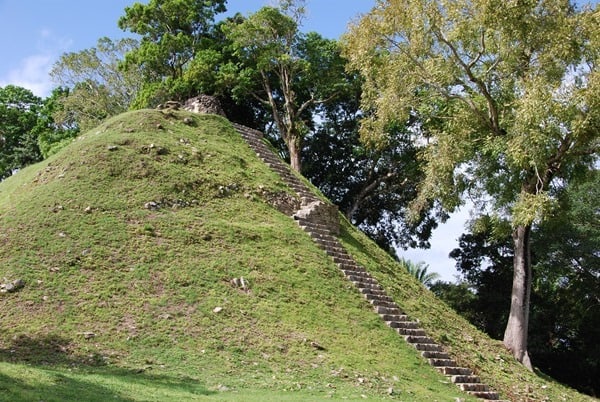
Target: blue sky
(34, 33)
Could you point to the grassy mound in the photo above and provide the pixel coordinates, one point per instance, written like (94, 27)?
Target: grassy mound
(129, 242)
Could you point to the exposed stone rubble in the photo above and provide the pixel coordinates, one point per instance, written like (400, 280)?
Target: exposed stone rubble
(319, 211)
(204, 104)
(201, 104)
(320, 221)
(11, 286)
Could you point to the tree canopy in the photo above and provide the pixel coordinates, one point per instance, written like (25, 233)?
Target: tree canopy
(19, 112)
(565, 308)
(172, 33)
(290, 73)
(371, 186)
(98, 87)
(506, 99)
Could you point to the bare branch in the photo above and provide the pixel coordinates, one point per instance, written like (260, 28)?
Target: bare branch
(492, 109)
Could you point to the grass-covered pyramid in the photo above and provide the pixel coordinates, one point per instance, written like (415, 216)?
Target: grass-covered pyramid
(131, 245)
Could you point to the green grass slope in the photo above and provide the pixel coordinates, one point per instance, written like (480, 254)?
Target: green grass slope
(128, 241)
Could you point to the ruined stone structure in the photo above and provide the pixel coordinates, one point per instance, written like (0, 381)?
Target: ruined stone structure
(204, 104)
(320, 220)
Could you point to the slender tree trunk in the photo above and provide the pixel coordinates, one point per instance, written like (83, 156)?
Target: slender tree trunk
(515, 335)
(295, 148)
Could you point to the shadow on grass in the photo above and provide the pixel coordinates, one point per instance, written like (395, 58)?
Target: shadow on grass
(48, 350)
(56, 388)
(46, 369)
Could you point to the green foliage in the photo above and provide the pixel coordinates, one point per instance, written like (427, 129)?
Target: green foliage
(291, 74)
(372, 186)
(461, 298)
(564, 315)
(98, 87)
(419, 271)
(53, 136)
(266, 40)
(173, 33)
(504, 95)
(503, 92)
(19, 114)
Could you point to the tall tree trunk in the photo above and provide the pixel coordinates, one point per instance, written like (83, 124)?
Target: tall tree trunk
(515, 335)
(295, 149)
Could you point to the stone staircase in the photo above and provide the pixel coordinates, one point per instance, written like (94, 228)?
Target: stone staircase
(384, 305)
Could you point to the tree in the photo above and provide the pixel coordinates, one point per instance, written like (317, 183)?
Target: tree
(507, 98)
(565, 308)
(173, 32)
(419, 271)
(19, 112)
(288, 72)
(97, 87)
(371, 186)
(53, 136)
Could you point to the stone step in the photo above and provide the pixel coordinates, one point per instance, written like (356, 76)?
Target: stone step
(277, 164)
(363, 283)
(315, 235)
(356, 273)
(451, 371)
(442, 362)
(362, 279)
(316, 230)
(290, 180)
(349, 266)
(342, 260)
(331, 248)
(330, 243)
(394, 317)
(301, 189)
(306, 195)
(428, 347)
(488, 395)
(411, 331)
(326, 240)
(335, 253)
(249, 136)
(404, 324)
(256, 143)
(461, 379)
(431, 354)
(372, 291)
(419, 339)
(473, 387)
(382, 303)
(370, 285)
(309, 223)
(388, 310)
(271, 161)
(378, 297)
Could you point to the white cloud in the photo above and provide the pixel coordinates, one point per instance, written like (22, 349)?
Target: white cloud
(33, 74)
(33, 71)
